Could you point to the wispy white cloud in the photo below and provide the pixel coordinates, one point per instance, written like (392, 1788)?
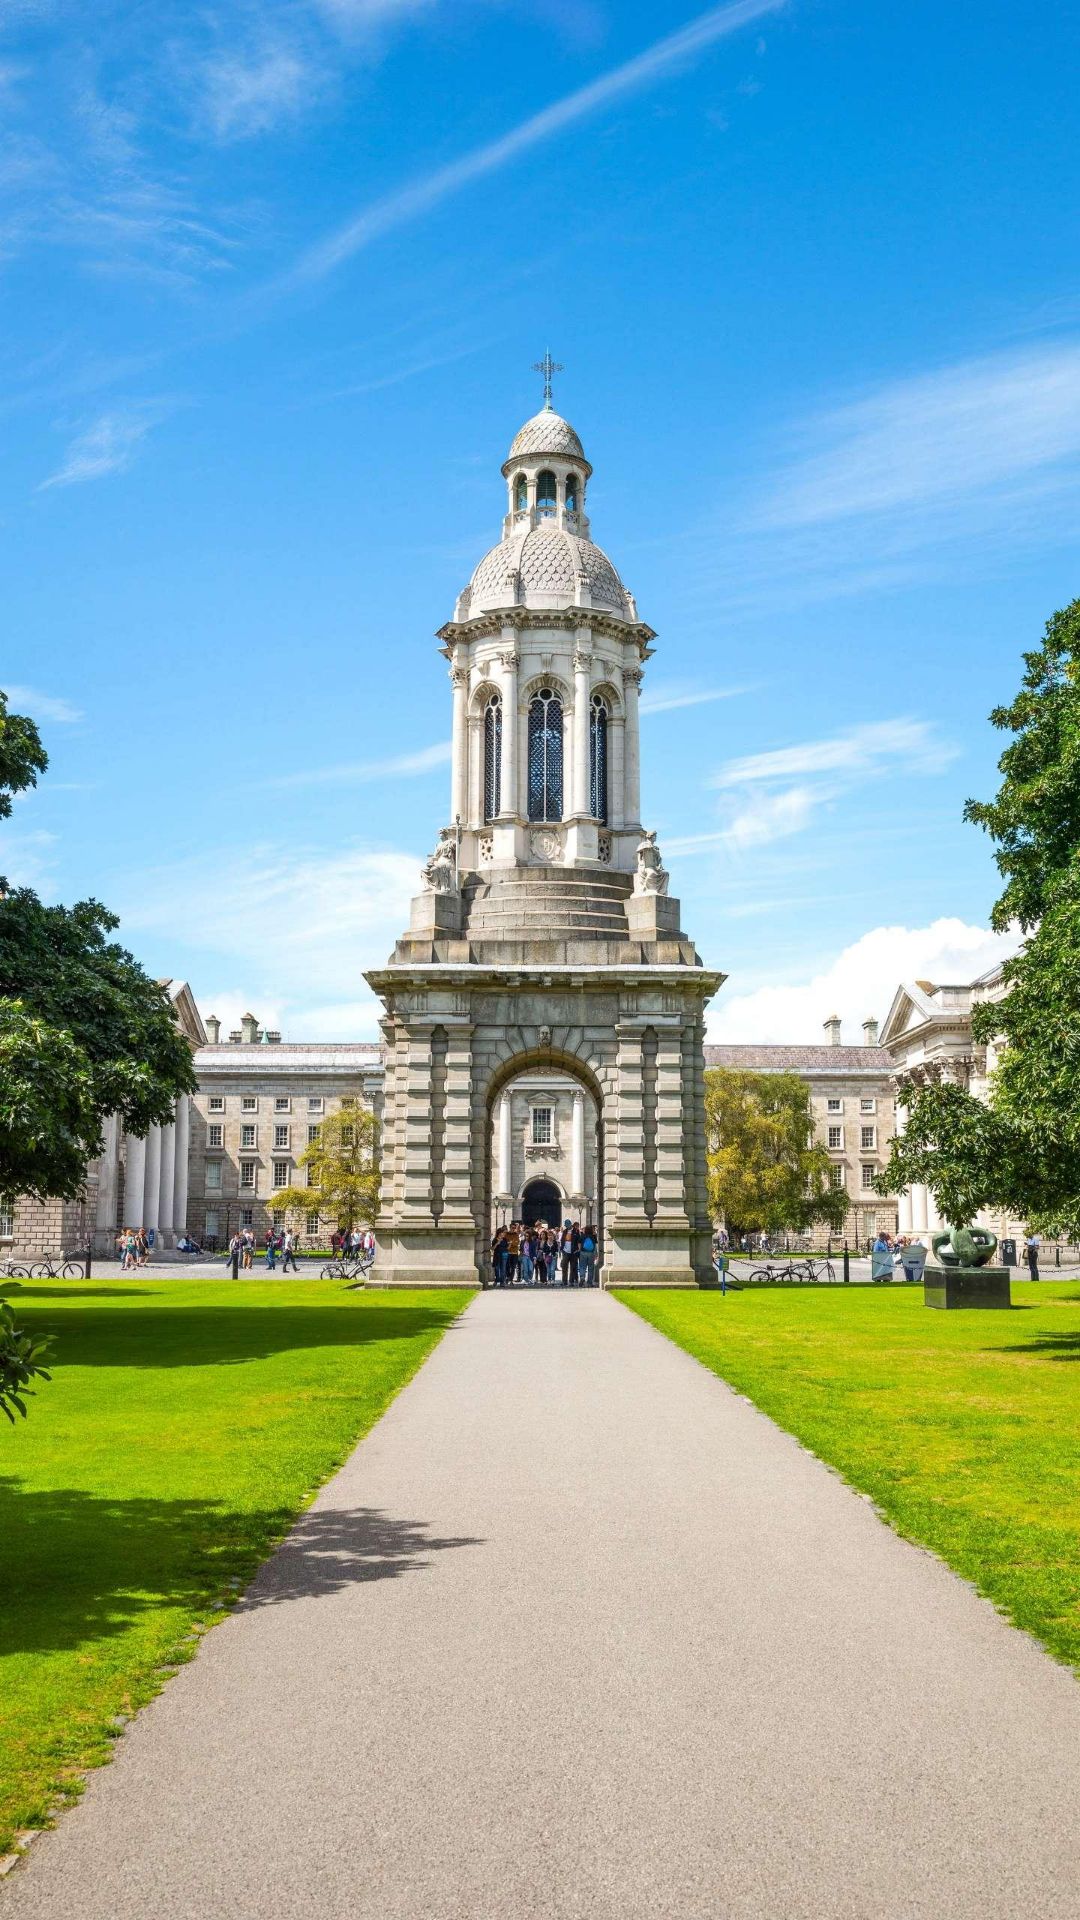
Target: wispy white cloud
(756, 822)
(248, 91)
(857, 982)
(359, 772)
(670, 695)
(27, 859)
(41, 706)
(107, 445)
(409, 203)
(855, 752)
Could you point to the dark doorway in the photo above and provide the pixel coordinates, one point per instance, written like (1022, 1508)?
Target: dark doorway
(542, 1200)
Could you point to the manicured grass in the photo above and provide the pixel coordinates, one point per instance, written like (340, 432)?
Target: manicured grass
(964, 1427)
(186, 1424)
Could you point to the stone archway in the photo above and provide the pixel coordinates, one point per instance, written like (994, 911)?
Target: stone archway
(541, 1200)
(633, 1037)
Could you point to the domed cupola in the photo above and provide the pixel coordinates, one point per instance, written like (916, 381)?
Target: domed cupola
(546, 475)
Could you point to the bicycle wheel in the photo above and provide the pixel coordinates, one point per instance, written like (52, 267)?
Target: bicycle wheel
(830, 1270)
(73, 1270)
(760, 1273)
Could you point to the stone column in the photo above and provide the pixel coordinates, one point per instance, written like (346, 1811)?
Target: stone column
(108, 1168)
(919, 1218)
(152, 1188)
(577, 1145)
(457, 1127)
(903, 1211)
(475, 813)
(632, 678)
(183, 1146)
(509, 807)
(630, 1198)
(459, 748)
(167, 1184)
(503, 1182)
(134, 1181)
(415, 1135)
(671, 1118)
(616, 770)
(580, 799)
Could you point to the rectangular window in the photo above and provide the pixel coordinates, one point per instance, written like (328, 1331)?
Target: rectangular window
(836, 1177)
(835, 1106)
(313, 1223)
(247, 1216)
(541, 1126)
(867, 1175)
(249, 1103)
(216, 1103)
(836, 1138)
(214, 1136)
(213, 1223)
(282, 1103)
(867, 1106)
(281, 1136)
(348, 1136)
(212, 1181)
(314, 1104)
(247, 1173)
(869, 1139)
(281, 1173)
(7, 1220)
(249, 1136)
(312, 1135)
(279, 1221)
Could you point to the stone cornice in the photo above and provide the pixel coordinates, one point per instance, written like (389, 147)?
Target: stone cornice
(441, 975)
(532, 619)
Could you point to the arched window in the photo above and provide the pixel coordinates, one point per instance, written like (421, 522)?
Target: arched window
(598, 770)
(492, 756)
(547, 494)
(545, 756)
(521, 494)
(572, 484)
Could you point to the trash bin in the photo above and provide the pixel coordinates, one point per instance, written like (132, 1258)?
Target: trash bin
(1007, 1253)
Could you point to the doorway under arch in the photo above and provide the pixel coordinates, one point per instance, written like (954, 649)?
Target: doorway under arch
(541, 1200)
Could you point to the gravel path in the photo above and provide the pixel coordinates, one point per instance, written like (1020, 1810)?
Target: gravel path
(576, 1631)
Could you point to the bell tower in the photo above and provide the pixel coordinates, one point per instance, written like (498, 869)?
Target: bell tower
(544, 923)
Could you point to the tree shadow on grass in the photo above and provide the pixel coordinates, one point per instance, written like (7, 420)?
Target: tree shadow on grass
(77, 1569)
(210, 1335)
(1054, 1346)
(33, 1292)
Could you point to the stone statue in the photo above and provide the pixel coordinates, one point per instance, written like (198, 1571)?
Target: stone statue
(965, 1247)
(651, 875)
(440, 868)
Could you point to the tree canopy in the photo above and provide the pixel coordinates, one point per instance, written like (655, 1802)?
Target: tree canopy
(766, 1172)
(1021, 1152)
(342, 1169)
(84, 1031)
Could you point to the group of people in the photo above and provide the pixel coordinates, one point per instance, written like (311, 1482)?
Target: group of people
(541, 1256)
(359, 1244)
(241, 1254)
(133, 1247)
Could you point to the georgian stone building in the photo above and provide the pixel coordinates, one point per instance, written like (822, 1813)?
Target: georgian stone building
(545, 942)
(259, 1104)
(853, 1103)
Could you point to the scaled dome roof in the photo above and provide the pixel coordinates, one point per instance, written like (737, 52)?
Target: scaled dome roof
(539, 567)
(546, 432)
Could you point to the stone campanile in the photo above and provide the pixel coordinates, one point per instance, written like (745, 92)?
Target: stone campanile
(545, 935)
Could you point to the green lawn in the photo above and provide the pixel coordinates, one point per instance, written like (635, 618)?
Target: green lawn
(185, 1425)
(964, 1427)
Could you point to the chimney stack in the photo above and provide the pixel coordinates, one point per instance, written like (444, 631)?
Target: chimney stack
(213, 1028)
(869, 1029)
(832, 1030)
(272, 1037)
(234, 1037)
(249, 1027)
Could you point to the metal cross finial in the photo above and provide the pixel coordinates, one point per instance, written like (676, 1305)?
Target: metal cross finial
(547, 366)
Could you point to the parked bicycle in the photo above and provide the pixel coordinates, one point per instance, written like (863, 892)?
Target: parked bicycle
(348, 1267)
(60, 1266)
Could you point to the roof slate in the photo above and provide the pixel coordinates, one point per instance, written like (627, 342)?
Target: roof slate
(801, 1059)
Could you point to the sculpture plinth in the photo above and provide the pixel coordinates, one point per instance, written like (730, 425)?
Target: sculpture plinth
(965, 1277)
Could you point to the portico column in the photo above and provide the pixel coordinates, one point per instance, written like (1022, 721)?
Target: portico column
(919, 1220)
(105, 1215)
(903, 1211)
(459, 748)
(134, 1181)
(167, 1186)
(577, 1143)
(180, 1183)
(632, 771)
(581, 798)
(504, 1144)
(152, 1188)
(509, 797)
(617, 789)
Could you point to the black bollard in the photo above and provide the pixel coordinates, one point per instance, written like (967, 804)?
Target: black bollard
(1057, 1255)
(89, 1258)
(847, 1265)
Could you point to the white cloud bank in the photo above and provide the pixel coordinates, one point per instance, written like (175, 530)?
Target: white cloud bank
(41, 706)
(107, 445)
(859, 982)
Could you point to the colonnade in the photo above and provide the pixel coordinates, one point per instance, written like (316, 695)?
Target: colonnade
(155, 1177)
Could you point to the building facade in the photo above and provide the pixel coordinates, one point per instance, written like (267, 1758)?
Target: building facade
(853, 1103)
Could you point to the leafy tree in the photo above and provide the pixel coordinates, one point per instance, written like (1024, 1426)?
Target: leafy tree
(765, 1169)
(84, 1032)
(1021, 1153)
(20, 1362)
(342, 1167)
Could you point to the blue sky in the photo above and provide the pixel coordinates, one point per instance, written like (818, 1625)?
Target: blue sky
(274, 276)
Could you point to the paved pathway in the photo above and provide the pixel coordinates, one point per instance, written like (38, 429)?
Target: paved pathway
(577, 1632)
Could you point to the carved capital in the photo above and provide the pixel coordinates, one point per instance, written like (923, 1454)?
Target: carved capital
(509, 658)
(582, 662)
(459, 676)
(632, 676)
